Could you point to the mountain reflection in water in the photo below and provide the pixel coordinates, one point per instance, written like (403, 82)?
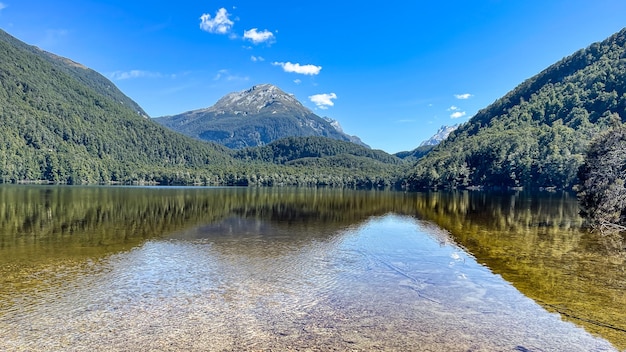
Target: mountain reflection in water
(237, 268)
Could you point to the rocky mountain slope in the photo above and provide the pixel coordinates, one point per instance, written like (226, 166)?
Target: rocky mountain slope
(426, 146)
(442, 133)
(254, 117)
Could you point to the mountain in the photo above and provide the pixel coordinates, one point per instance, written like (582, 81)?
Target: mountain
(63, 122)
(84, 75)
(254, 117)
(537, 134)
(442, 133)
(337, 126)
(426, 146)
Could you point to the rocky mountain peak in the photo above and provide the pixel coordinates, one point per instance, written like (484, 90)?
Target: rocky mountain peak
(258, 99)
(255, 117)
(442, 133)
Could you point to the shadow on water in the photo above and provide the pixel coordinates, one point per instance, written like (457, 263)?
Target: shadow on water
(51, 235)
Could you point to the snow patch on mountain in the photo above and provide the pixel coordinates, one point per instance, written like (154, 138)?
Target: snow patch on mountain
(442, 133)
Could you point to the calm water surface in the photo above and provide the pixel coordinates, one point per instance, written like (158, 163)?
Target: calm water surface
(123, 268)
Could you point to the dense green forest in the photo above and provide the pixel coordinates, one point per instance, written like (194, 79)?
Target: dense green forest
(58, 128)
(292, 149)
(85, 76)
(537, 134)
(64, 123)
(346, 163)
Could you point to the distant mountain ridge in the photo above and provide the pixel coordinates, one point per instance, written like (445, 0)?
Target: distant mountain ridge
(254, 117)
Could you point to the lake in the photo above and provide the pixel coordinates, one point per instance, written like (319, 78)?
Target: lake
(220, 269)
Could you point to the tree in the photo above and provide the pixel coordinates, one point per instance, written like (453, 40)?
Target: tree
(602, 191)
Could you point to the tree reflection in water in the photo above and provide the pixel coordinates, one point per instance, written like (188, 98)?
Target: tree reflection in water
(538, 243)
(534, 241)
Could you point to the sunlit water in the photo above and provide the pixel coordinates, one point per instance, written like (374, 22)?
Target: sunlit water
(271, 277)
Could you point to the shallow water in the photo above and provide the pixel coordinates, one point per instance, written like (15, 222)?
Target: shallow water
(249, 269)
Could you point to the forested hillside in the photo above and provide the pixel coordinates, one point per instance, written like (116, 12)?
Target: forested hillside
(346, 163)
(291, 149)
(537, 134)
(415, 154)
(64, 123)
(84, 75)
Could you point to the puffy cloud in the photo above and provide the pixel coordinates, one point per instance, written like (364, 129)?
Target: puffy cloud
(220, 24)
(297, 68)
(256, 58)
(297, 81)
(258, 37)
(453, 108)
(323, 101)
(458, 114)
(122, 75)
(463, 96)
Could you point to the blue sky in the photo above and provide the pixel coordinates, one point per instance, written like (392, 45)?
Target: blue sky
(390, 72)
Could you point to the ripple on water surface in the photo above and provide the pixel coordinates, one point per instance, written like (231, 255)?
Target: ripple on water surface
(392, 283)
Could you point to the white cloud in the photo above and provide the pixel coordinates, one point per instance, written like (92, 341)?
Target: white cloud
(258, 37)
(221, 24)
(297, 81)
(122, 75)
(453, 108)
(458, 114)
(256, 58)
(323, 101)
(297, 68)
(2, 6)
(463, 96)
